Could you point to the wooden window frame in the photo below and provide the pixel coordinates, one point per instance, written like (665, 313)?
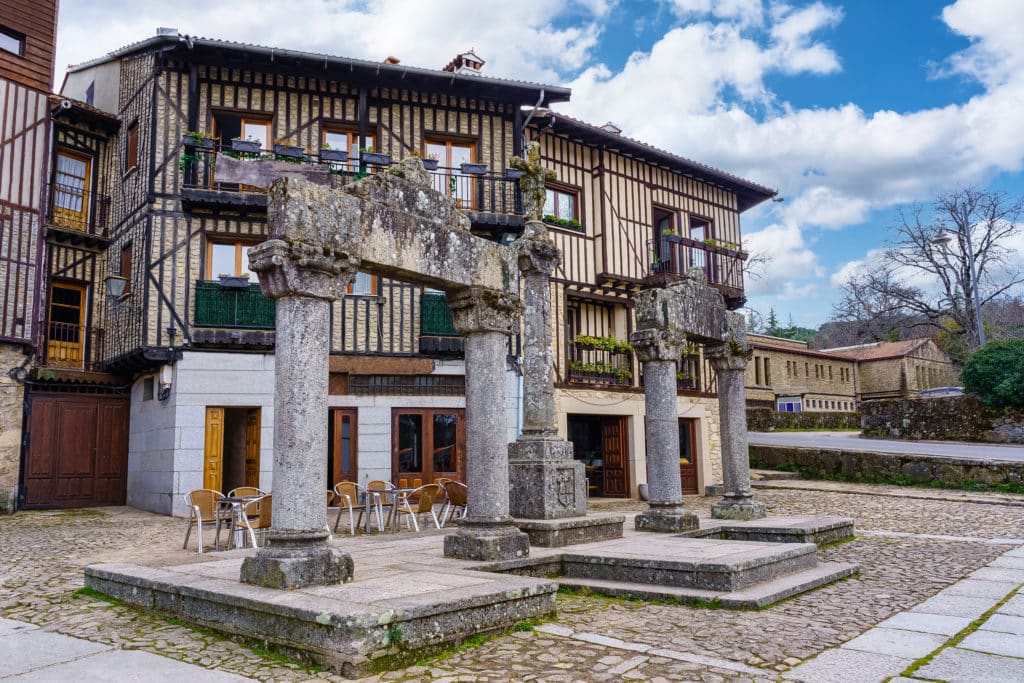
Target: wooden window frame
(86, 190)
(20, 38)
(447, 139)
(239, 245)
(126, 268)
(427, 425)
(709, 223)
(574, 192)
(374, 287)
(131, 155)
(351, 131)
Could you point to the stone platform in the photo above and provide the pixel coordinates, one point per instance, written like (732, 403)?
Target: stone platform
(795, 529)
(558, 533)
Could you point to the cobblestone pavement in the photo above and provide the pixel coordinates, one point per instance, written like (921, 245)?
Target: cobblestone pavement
(593, 639)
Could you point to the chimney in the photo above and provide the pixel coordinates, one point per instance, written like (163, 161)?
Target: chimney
(612, 128)
(166, 31)
(466, 63)
(390, 59)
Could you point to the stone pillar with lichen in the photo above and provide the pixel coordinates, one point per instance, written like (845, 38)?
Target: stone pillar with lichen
(304, 278)
(730, 363)
(485, 318)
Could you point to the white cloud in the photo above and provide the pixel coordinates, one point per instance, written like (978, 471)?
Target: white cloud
(789, 259)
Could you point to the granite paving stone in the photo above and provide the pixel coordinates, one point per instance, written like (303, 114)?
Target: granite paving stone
(1014, 606)
(927, 623)
(1004, 623)
(967, 666)
(1006, 644)
(956, 605)
(849, 666)
(982, 589)
(24, 651)
(896, 642)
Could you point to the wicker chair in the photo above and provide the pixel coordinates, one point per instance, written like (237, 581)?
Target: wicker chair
(346, 497)
(456, 495)
(420, 502)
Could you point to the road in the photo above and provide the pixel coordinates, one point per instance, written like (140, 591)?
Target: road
(853, 442)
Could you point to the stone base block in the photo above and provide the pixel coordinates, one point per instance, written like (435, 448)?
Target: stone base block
(666, 522)
(544, 481)
(817, 530)
(486, 542)
(556, 533)
(290, 568)
(746, 508)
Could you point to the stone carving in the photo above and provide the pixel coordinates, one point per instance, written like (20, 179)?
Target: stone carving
(533, 183)
(566, 488)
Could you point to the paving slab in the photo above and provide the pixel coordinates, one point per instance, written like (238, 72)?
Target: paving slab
(1007, 644)
(967, 666)
(1014, 606)
(955, 605)
(125, 666)
(896, 642)
(938, 624)
(1004, 623)
(1008, 561)
(999, 574)
(24, 651)
(848, 666)
(9, 626)
(982, 589)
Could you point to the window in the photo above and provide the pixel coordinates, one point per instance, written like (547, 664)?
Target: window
(451, 155)
(427, 443)
(147, 389)
(562, 205)
(230, 125)
(363, 284)
(12, 41)
(71, 180)
(699, 230)
(126, 267)
(346, 139)
(767, 372)
(226, 258)
(90, 93)
(830, 373)
(757, 371)
(131, 159)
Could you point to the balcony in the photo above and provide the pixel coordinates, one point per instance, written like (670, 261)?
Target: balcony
(491, 198)
(599, 366)
(72, 347)
(438, 336)
(673, 257)
(77, 216)
(233, 307)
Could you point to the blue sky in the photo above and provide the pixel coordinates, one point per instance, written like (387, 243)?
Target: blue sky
(851, 109)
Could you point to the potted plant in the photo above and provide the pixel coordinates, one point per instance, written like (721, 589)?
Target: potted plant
(430, 162)
(287, 152)
(328, 154)
(368, 156)
(473, 168)
(567, 223)
(245, 145)
(200, 140)
(234, 281)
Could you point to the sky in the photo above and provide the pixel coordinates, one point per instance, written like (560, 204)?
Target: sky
(851, 110)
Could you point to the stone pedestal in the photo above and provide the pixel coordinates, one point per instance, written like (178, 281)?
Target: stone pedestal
(730, 362)
(658, 350)
(304, 280)
(486, 532)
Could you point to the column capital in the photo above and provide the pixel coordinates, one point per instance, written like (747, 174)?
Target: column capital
(303, 270)
(475, 309)
(658, 344)
(728, 356)
(538, 254)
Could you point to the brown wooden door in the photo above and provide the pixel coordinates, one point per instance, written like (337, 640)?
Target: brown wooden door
(65, 331)
(252, 447)
(615, 456)
(343, 455)
(428, 444)
(77, 451)
(213, 450)
(688, 456)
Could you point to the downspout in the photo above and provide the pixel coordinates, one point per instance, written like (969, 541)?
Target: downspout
(533, 111)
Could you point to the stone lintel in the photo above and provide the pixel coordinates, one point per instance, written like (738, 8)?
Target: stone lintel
(288, 568)
(544, 481)
(486, 541)
(557, 533)
(301, 269)
(739, 508)
(690, 307)
(475, 309)
(669, 520)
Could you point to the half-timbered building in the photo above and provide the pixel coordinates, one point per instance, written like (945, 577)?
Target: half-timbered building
(169, 129)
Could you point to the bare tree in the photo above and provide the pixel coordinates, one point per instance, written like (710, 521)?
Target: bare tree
(924, 277)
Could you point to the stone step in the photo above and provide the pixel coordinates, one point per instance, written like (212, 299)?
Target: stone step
(711, 564)
(751, 597)
(773, 475)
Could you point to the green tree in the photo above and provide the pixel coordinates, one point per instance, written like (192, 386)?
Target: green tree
(772, 324)
(996, 373)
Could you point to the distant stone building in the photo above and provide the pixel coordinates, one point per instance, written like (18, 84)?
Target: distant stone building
(898, 369)
(786, 375)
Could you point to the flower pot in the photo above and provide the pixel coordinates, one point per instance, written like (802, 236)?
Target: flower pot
(246, 146)
(473, 169)
(234, 281)
(430, 164)
(200, 143)
(514, 173)
(289, 152)
(333, 155)
(375, 158)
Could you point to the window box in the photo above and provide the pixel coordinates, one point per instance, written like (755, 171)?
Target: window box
(514, 173)
(198, 141)
(333, 155)
(289, 152)
(430, 164)
(473, 169)
(234, 281)
(246, 146)
(375, 158)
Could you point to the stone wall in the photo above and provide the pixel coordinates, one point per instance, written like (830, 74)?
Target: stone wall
(767, 420)
(12, 399)
(948, 418)
(820, 463)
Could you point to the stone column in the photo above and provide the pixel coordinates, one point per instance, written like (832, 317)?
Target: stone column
(304, 279)
(486, 318)
(730, 363)
(659, 351)
(546, 482)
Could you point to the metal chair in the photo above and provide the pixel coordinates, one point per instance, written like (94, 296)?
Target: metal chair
(203, 508)
(419, 502)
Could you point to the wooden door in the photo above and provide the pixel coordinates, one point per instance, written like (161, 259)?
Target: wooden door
(343, 454)
(77, 452)
(65, 331)
(688, 456)
(252, 447)
(71, 181)
(615, 456)
(428, 443)
(213, 450)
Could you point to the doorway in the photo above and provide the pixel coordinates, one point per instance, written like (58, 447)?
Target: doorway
(427, 443)
(343, 446)
(231, 456)
(688, 456)
(600, 442)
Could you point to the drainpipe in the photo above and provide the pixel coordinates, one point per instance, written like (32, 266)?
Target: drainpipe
(533, 111)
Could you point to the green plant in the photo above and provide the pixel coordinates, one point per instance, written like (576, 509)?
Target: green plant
(724, 244)
(567, 223)
(610, 344)
(669, 231)
(622, 375)
(995, 372)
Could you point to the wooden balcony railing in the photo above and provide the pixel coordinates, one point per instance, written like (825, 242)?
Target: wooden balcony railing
(247, 308)
(75, 209)
(598, 366)
(72, 347)
(675, 255)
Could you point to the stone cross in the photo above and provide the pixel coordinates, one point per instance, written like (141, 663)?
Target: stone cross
(533, 184)
(730, 362)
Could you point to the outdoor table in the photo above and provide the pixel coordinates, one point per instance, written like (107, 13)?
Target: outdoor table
(397, 496)
(236, 506)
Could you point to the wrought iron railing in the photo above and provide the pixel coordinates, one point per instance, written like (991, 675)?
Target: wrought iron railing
(242, 307)
(76, 209)
(588, 365)
(487, 192)
(436, 316)
(672, 254)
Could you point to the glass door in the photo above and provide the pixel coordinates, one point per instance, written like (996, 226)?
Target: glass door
(65, 341)
(71, 190)
(450, 179)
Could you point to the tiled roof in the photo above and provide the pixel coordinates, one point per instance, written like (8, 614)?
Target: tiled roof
(878, 350)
